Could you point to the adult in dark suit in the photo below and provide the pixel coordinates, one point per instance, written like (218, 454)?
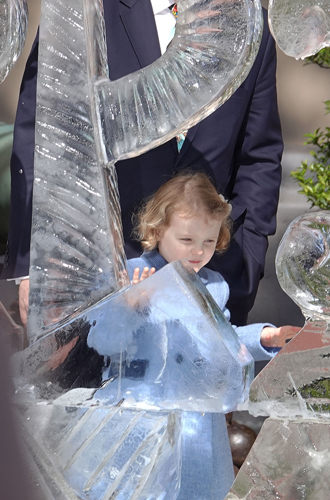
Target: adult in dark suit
(239, 145)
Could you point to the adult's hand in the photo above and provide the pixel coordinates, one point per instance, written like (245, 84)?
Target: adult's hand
(23, 299)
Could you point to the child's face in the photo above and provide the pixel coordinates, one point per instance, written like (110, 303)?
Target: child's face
(192, 238)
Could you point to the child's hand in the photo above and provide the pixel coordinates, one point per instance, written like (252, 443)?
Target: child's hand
(276, 337)
(145, 274)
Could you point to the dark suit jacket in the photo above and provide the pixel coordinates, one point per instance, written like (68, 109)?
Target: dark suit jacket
(240, 145)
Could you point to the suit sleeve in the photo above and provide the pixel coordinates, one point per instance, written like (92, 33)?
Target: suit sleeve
(259, 172)
(257, 181)
(17, 256)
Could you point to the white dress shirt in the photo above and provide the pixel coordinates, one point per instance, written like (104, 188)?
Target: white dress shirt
(165, 22)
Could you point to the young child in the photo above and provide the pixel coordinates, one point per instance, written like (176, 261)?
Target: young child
(187, 219)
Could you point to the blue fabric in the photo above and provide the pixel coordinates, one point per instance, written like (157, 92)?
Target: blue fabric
(207, 467)
(219, 289)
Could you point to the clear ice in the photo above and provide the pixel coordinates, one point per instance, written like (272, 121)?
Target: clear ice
(13, 29)
(211, 54)
(296, 382)
(86, 453)
(90, 354)
(303, 263)
(301, 28)
(110, 367)
(289, 460)
(290, 457)
(77, 252)
(182, 353)
(160, 344)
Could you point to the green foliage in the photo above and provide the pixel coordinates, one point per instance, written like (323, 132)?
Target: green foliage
(316, 394)
(322, 58)
(314, 178)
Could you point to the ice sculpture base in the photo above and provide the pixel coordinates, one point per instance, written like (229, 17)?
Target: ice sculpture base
(289, 459)
(101, 453)
(296, 382)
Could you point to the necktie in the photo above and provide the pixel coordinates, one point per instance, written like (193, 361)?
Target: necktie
(174, 10)
(180, 139)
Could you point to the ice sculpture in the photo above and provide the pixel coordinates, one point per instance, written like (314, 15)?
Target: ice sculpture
(13, 28)
(294, 388)
(160, 345)
(80, 361)
(149, 347)
(79, 446)
(290, 459)
(79, 129)
(303, 263)
(181, 353)
(296, 381)
(212, 52)
(88, 453)
(300, 27)
(169, 345)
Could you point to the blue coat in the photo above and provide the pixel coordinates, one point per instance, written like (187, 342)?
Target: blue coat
(207, 467)
(239, 145)
(219, 289)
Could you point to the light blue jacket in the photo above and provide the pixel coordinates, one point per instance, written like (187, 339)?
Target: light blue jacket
(207, 468)
(219, 289)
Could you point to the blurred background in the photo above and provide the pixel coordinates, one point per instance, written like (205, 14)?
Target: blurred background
(301, 92)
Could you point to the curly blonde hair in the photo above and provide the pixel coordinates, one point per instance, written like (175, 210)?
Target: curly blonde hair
(190, 193)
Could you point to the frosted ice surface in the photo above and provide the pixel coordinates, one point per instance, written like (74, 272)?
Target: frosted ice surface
(101, 453)
(163, 343)
(303, 263)
(296, 381)
(290, 459)
(300, 27)
(13, 28)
